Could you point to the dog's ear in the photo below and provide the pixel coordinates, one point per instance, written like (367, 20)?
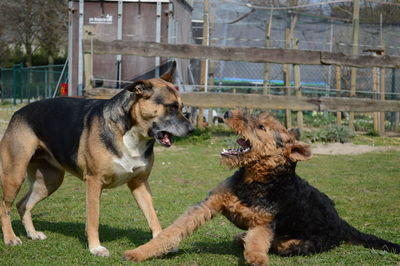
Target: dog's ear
(295, 133)
(142, 88)
(299, 151)
(168, 76)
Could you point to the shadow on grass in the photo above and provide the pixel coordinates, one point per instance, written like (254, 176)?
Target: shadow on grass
(217, 248)
(77, 230)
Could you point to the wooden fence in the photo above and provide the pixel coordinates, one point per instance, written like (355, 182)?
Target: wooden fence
(256, 55)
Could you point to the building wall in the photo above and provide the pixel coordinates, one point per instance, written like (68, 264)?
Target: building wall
(139, 23)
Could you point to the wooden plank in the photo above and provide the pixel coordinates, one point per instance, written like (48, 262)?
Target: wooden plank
(366, 61)
(257, 101)
(246, 54)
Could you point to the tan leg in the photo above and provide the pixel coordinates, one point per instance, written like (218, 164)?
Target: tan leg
(185, 225)
(93, 194)
(142, 195)
(293, 247)
(15, 156)
(256, 245)
(44, 179)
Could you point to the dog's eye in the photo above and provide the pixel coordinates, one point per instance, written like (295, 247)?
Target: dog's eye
(173, 107)
(261, 127)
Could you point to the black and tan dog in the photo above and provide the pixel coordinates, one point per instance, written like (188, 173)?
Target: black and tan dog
(279, 210)
(106, 143)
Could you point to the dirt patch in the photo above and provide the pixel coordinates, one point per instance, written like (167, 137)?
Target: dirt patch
(349, 148)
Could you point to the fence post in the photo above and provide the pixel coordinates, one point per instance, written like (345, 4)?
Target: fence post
(382, 98)
(267, 66)
(297, 79)
(338, 77)
(375, 89)
(204, 65)
(356, 35)
(286, 80)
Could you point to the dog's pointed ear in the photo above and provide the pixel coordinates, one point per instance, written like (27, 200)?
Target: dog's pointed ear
(168, 76)
(295, 133)
(142, 88)
(299, 151)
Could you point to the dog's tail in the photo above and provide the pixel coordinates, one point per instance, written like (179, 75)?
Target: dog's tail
(170, 237)
(357, 237)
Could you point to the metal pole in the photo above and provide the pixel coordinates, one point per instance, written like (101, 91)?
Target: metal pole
(80, 48)
(158, 36)
(59, 80)
(170, 22)
(119, 37)
(70, 46)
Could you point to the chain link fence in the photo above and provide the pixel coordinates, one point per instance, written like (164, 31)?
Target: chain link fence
(312, 31)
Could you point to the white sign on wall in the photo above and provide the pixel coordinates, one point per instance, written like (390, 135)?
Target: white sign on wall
(107, 19)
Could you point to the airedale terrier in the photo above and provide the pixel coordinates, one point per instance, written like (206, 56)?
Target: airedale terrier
(280, 211)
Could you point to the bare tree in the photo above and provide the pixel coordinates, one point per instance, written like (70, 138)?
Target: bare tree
(19, 19)
(34, 24)
(53, 31)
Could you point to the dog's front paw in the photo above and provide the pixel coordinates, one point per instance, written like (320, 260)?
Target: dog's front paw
(256, 259)
(100, 251)
(13, 242)
(36, 236)
(238, 239)
(134, 255)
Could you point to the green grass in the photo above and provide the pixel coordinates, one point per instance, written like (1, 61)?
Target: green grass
(364, 187)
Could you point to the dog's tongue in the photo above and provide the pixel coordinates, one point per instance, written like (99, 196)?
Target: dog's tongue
(166, 139)
(244, 143)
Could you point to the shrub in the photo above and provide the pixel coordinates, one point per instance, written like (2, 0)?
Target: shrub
(332, 133)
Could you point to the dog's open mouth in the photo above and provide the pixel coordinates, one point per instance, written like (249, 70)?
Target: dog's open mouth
(164, 138)
(244, 147)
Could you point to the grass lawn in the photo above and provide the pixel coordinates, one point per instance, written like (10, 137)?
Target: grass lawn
(366, 189)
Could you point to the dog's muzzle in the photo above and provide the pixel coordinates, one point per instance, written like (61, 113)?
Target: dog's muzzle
(163, 131)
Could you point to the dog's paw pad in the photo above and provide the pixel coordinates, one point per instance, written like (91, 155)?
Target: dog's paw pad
(133, 255)
(37, 236)
(13, 242)
(100, 251)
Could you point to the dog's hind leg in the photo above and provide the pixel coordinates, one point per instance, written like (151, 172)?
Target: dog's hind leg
(44, 179)
(257, 242)
(16, 149)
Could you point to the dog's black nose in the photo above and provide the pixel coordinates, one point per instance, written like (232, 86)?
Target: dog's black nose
(228, 114)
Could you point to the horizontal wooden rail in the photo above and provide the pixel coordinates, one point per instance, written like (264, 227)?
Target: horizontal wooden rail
(257, 101)
(247, 54)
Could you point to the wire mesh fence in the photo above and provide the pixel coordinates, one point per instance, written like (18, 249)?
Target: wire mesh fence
(25, 84)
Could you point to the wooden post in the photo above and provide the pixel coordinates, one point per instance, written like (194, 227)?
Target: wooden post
(338, 74)
(211, 83)
(203, 71)
(267, 67)
(356, 30)
(382, 98)
(375, 89)
(382, 82)
(286, 79)
(297, 78)
(88, 58)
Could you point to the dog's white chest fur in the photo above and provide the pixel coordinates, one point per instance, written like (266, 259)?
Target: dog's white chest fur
(132, 161)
